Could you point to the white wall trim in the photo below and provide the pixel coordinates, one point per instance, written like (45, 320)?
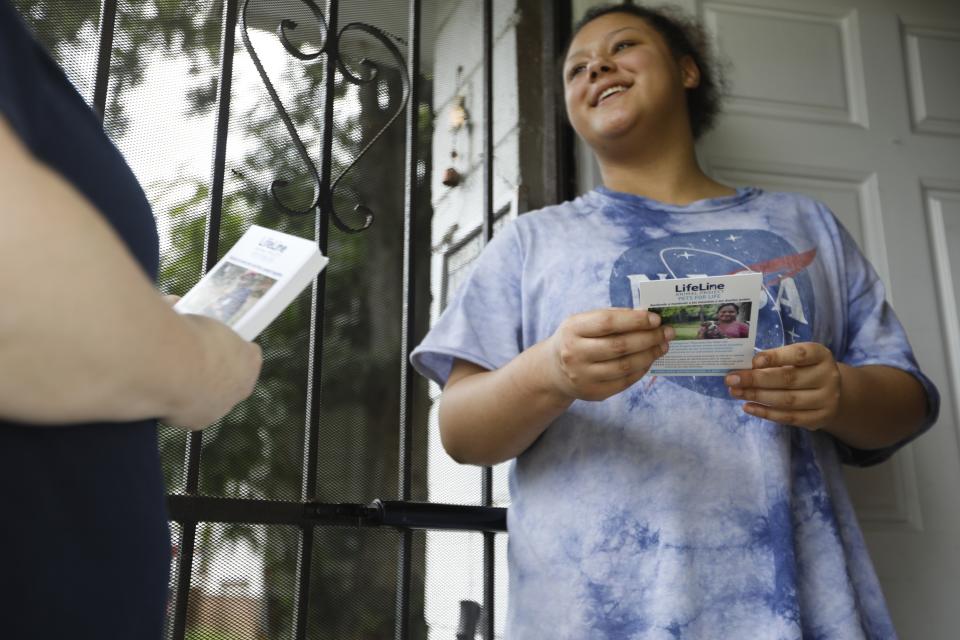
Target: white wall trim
(934, 191)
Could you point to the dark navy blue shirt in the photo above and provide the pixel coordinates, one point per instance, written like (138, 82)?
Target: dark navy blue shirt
(83, 525)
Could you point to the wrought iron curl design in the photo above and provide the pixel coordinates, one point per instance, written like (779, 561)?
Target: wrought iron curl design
(323, 193)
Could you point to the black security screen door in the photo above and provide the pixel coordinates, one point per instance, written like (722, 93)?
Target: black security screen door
(303, 513)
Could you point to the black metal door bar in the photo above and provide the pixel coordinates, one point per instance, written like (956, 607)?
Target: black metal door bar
(488, 220)
(311, 438)
(408, 328)
(184, 565)
(108, 21)
(398, 514)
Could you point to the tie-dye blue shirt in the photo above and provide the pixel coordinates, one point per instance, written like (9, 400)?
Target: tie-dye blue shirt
(665, 511)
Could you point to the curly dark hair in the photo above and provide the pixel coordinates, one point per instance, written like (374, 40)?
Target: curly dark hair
(685, 37)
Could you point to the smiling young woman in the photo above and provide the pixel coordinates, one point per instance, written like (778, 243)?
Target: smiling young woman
(639, 90)
(622, 79)
(682, 507)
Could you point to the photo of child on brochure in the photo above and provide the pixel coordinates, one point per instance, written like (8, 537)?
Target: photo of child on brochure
(229, 293)
(707, 321)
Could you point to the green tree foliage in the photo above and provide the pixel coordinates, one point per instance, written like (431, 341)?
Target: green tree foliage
(685, 314)
(187, 27)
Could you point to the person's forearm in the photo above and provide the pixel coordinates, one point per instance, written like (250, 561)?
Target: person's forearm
(83, 334)
(879, 406)
(490, 417)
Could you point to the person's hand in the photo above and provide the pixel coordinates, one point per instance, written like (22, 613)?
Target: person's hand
(228, 370)
(798, 384)
(597, 354)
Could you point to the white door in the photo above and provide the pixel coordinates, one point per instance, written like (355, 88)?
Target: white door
(857, 103)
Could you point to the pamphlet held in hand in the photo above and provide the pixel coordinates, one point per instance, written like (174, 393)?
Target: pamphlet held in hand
(715, 319)
(256, 280)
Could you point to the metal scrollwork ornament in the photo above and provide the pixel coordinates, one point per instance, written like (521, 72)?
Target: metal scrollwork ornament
(323, 193)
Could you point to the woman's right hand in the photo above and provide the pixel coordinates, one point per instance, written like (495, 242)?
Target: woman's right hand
(597, 354)
(229, 368)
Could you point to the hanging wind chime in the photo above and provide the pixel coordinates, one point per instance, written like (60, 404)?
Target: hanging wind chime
(457, 119)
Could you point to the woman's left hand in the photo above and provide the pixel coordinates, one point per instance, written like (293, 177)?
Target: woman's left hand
(798, 384)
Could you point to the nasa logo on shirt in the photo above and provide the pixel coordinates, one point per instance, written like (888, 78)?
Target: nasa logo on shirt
(786, 313)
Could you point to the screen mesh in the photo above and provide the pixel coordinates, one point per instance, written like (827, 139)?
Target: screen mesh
(454, 575)
(161, 113)
(353, 587)
(70, 32)
(243, 582)
(176, 540)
